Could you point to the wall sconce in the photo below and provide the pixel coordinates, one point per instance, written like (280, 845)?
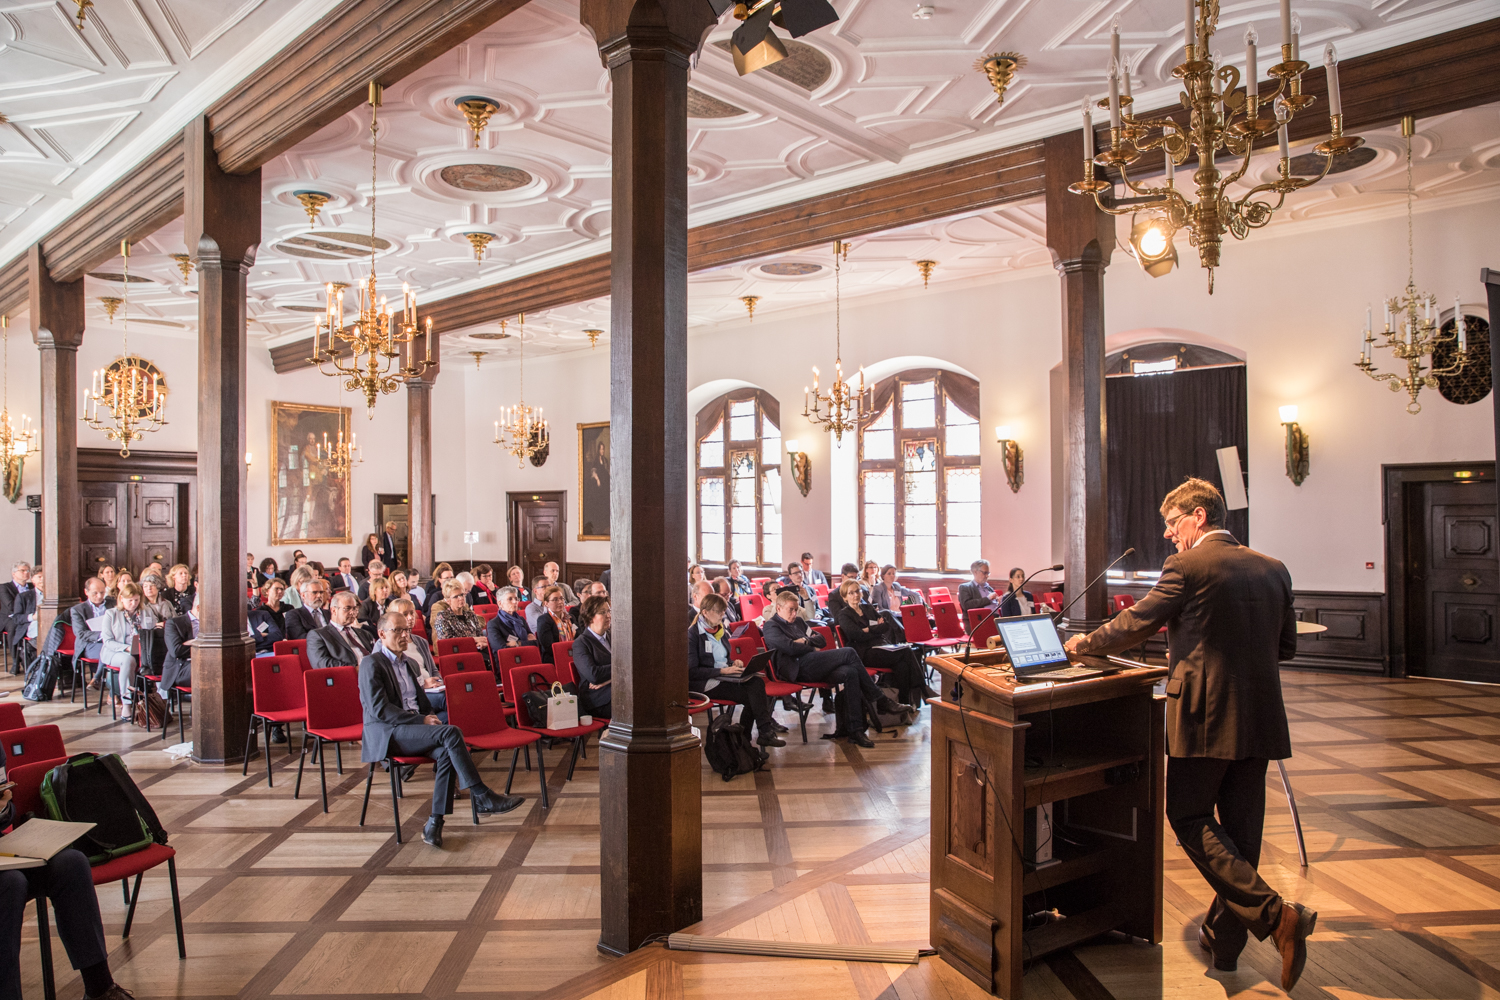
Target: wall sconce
(1296, 446)
(247, 461)
(801, 466)
(1015, 467)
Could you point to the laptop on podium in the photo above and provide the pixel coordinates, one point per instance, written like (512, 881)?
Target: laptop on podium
(1036, 652)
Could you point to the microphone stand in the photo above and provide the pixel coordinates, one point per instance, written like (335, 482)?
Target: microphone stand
(1085, 590)
(969, 646)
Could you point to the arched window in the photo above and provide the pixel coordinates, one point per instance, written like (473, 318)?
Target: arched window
(919, 472)
(738, 438)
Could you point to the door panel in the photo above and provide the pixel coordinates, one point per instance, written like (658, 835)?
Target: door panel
(538, 531)
(1457, 585)
(154, 518)
(103, 534)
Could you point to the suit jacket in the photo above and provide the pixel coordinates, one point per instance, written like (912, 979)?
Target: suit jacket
(327, 647)
(78, 617)
(1228, 612)
(380, 696)
(178, 666)
(592, 658)
(547, 633)
(1010, 606)
(266, 628)
(813, 577)
(11, 617)
(503, 626)
(341, 582)
(859, 634)
(970, 596)
(781, 638)
(701, 665)
(299, 623)
(117, 633)
(387, 550)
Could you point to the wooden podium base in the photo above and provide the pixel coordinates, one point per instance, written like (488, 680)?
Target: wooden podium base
(1095, 751)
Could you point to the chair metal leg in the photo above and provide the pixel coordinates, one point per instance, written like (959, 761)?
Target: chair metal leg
(297, 788)
(1291, 802)
(130, 911)
(369, 779)
(249, 735)
(323, 773)
(125, 890)
(396, 794)
(44, 943)
(338, 754)
(176, 907)
(515, 758)
(573, 760)
(541, 774)
(267, 753)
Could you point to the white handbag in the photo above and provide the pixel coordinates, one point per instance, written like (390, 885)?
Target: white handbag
(562, 708)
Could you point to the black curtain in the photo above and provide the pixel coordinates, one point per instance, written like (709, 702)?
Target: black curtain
(1162, 429)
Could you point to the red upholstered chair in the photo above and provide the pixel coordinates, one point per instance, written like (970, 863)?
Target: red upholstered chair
(752, 630)
(778, 688)
(474, 706)
(518, 656)
(562, 658)
(751, 606)
(11, 716)
(1052, 598)
(918, 629)
(743, 648)
(981, 627)
(486, 610)
(277, 697)
(449, 647)
(31, 744)
(1122, 601)
(936, 594)
(831, 641)
(550, 673)
(334, 715)
(460, 663)
(948, 624)
(292, 647)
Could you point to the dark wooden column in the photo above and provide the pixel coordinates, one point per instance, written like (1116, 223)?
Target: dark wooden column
(651, 823)
(1081, 238)
(222, 231)
(56, 309)
(419, 528)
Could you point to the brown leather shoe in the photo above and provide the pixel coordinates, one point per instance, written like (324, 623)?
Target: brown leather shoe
(1290, 937)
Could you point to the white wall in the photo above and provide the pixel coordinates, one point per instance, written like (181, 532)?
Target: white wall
(17, 524)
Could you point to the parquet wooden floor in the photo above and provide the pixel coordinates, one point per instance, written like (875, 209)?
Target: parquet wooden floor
(1398, 784)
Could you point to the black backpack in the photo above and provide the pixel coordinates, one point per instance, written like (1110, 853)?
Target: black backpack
(41, 677)
(91, 788)
(729, 749)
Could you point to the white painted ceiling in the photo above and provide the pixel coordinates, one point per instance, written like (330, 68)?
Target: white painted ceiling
(900, 93)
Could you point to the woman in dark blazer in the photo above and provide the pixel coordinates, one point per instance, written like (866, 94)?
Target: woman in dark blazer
(865, 631)
(508, 627)
(1017, 602)
(711, 671)
(370, 551)
(555, 624)
(591, 657)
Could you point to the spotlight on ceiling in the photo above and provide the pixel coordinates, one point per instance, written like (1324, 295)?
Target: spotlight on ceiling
(1151, 245)
(754, 45)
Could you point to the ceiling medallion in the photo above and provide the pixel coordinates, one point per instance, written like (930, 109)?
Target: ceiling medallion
(593, 336)
(489, 335)
(111, 306)
(750, 301)
(128, 398)
(479, 241)
(375, 339)
(478, 111)
(926, 266)
(1001, 68)
(484, 178)
(312, 203)
(1220, 116)
(790, 269)
(184, 264)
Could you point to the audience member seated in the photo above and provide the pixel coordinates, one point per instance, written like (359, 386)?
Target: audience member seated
(127, 631)
(68, 881)
(508, 627)
(267, 617)
(345, 579)
(86, 641)
(869, 575)
(1017, 601)
(555, 624)
(484, 585)
(978, 593)
(179, 591)
(177, 665)
(889, 595)
(154, 598)
(374, 570)
(441, 573)
(14, 619)
(342, 642)
(538, 606)
(591, 658)
(595, 589)
(725, 590)
(712, 671)
(517, 577)
(398, 584)
(301, 622)
(881, 645)
(739, 583)
(452, 618)
(697, 592)
(419, 652)
(696, 575)
(847, 572)
(373, 606)
(798, 585)
(810, 576)
(106, 574)
(551, 571)
(399, 721)
(25, 614)
(770, 589)
(268, 569)
(415, 591)
(799, 657)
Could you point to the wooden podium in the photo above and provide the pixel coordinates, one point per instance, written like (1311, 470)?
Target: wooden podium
(1092, 750)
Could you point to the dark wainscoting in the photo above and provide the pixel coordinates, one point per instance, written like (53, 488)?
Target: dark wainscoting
(1356, 636)
(592, 571)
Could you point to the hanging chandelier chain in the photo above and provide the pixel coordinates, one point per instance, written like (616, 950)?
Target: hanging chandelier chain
(1411, 253)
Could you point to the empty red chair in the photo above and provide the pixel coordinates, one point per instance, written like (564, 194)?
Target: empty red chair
(751, 606)
(1052, 598)
(938, 594)
(278, 698)
(450, 647)
(292, 647)
(562, 658)
(474, 706)
(11, 716)
(486, 610)
(948, 624)
(1122, 601)
(32, 744)
(458, 663)
(546, 675)
(334, 715)
(517, 656)
(981, 627)
(914, 620)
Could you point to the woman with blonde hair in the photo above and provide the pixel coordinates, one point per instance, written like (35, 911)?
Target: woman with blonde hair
(125, 631)
(179, 589)
(452, 618)
(372, 607)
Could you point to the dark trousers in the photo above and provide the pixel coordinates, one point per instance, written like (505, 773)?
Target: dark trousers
(445, 745)
(1225, 849)
(906, 673)
(751, 694)
(842, 666)
(68, 881)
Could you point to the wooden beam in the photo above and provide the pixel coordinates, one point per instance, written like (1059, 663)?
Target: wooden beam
(13, 286)
(133, 208)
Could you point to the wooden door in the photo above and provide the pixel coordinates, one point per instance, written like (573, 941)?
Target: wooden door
(1453, 595)
(104, 533)
(537, 530)
(154, 522)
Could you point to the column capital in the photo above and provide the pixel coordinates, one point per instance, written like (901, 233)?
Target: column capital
(55, 308)
(625, 27)
(1077, 232)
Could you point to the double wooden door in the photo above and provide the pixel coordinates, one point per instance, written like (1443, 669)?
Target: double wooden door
(1453, 582)
(537, 531)
(132, 524)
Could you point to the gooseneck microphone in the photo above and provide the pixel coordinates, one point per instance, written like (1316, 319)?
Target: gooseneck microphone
(1085, 590)
(969, 646)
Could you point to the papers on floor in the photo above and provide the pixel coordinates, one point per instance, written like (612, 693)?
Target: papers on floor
(34, 842)
(180, 751)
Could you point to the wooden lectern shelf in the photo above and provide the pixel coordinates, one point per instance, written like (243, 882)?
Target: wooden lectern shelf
(1093, 751)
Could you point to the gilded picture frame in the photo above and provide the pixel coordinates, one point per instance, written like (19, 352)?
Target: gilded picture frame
(310, 503)
(593, 482)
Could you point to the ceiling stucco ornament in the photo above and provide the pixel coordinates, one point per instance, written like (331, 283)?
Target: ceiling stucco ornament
(485, 178)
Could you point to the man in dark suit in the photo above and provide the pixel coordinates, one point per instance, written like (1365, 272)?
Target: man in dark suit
(177, 668)
(342, 642)
(419, 655)
(13, 619)
(345, 579)
(313, 614)
(374, 570)
(87, 642)
(399, 721)
(508, 627)
(978, 593)
(1228, 612)
(388, 544)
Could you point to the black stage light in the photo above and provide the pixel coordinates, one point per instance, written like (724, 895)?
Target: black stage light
(754, 44)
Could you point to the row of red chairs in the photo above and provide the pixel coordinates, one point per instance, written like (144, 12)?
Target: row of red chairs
(31, 752)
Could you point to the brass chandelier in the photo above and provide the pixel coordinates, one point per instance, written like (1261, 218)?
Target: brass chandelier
(125, 399)
(1410, 336)
(375, 340)
(521, 429)
(1220, 117)
(16, 441)
(841, 407)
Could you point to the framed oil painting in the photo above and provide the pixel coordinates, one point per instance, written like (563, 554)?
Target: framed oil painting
(593, 482)
(309, 500)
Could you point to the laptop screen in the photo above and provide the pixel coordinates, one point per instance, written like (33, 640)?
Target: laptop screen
(1031, 641)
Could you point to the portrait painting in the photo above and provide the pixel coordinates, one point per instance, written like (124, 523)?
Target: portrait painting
(310, 502)
(593, 482)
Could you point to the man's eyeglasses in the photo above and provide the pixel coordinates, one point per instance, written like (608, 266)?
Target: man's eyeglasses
(397, 631)
(1171, 522)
